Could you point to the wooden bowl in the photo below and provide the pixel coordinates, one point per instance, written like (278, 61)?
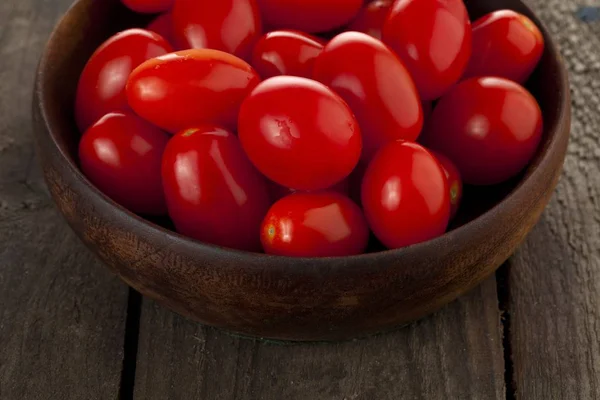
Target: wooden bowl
(278, 297)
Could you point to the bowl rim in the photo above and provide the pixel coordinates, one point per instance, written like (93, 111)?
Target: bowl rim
(540, 163)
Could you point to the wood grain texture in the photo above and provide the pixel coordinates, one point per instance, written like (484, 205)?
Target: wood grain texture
(455, 354)
(554, 280)
(62, 315)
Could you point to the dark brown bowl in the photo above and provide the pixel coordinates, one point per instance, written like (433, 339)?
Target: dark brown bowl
(277, 297)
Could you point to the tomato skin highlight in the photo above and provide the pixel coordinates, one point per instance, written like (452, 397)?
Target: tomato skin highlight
(505, 44)
(433, 39)
(322, 224)
(286, 52)
(121, 155)
(232, 26)
(405, 195)
(148, 6)
(489, 127)
(299, 133)
(376, 86)
(213, 193)
(455, 185)
(310, 16)
(371, 18)
(101, 86)
(191, 87)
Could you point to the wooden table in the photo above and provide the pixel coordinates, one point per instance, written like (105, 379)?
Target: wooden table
(71, 330)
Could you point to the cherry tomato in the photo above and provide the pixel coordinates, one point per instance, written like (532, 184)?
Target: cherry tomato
(371, 18)
(233, 26)
(405, 195)
(489, 127)
(505, 44)
(433, 38)
(149, 6)
(278, 192)
(455, 185)
(299, 133)
(163, 25)
(309, 15)
(286, 53)
(101, 87)
(324, 224)
(376, 86)
(213, 192)
(121, 155)
(191, 87)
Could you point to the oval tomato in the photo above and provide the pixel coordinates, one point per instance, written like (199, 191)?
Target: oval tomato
(489, 127)
(405, 195)
(278, 192)
(213, 192)
(433, 38)
(299, 133)
(101, 87)
(286, 52)
(371, 18)
(232, 26)
(191, 87)
(376, 86)
(149, 6)
(454, 181)
(309, 15)
(505, 44)
(324, 224)
(163, 25)
(121, 155)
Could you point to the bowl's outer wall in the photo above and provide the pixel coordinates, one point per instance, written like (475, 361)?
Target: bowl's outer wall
(282, 298)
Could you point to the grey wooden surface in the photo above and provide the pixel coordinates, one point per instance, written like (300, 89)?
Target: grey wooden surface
(71, 330)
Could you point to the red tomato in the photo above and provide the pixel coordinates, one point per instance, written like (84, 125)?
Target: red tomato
(101, 87)
(489, 127)
(405, 195)
(191, 87)
(454, 181)
(309, 15)
(278, 192)
(324, 224)
(376, 86)
(149, 6)
(505, 44)
(213, 192)
(286, 53)
(121, 155)
(433, 38)
(163, 25)
(299, 133)
(371, 18)
(230, 25)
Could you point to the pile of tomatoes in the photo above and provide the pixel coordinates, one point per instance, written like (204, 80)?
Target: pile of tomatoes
(299, 127)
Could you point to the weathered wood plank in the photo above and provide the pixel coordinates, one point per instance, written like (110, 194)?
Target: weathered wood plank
(62, 315)
(554, 279)
(455, 354)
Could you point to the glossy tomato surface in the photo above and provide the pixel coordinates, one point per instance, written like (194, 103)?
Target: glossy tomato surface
(489, 127)
(405, 195)
(505, 44)
(299, 133)
(213, 192)
(278, 192)
(163, 25)
(371, 18)
(324, 224)
(121, 155)
(101, 87)
(149, 6)
(455, 185)
(191, 87)
(376, 86)
(286, 52)
(433, 38)
(232, 26)
(309, 15)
